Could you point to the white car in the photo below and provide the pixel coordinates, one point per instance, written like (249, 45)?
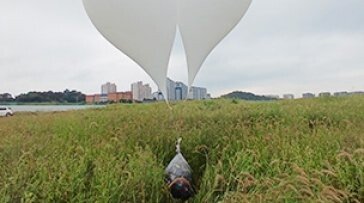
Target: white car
(5, 111)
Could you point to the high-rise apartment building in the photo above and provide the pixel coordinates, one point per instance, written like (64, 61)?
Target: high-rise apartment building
(136, 89)
(147, 92)
(171, 90)
(108, 88)
(197, 93)
(141, 92)
(181, 91)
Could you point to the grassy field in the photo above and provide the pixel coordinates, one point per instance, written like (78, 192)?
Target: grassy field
(285, 151)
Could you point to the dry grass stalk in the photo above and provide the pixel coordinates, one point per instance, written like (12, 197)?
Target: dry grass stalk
(359, 151)
(306, 192)
(317, 182)
(344, 154)
(298, 170)
(330, 173)
(291, 188)
(333, 194)
(303, 180)
(219, 183)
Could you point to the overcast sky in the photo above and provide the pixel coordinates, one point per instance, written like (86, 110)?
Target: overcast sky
(281, 46)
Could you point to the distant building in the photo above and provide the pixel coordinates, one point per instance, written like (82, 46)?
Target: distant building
(108, 94)
(91, 99)
(104, 98)
(288, 96)
(171, 90)
(98, 98)
(157, 96)
(325, 94)
(197, 93)
(181, 91)
(136, 89)
(272, 96)
(203, 93)
(94, 98)
(341, 94)
(114, 97)
(120, 96)
(357, 93)
(308, 95)
(108, 88)
(141, 92)
(147, 92)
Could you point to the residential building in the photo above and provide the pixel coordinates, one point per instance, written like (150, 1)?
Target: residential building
(181, 91)
(141, 92)
(308, 95)
(288, 96)
(341, 94)
(137, 90)
(108, 88)
(325, 94)
(171, 90)
(148, 92)
(197, 93)
(203, 93)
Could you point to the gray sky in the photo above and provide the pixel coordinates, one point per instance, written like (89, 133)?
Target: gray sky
(281, 46)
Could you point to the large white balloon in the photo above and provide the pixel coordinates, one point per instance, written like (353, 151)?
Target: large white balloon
(144, 30)
(203, 24)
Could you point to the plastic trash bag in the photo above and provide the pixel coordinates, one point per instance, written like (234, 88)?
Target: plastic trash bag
(179, 176)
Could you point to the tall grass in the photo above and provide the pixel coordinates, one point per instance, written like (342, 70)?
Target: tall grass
(286, 151)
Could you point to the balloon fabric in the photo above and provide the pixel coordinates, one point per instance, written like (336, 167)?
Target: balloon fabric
(145, 30)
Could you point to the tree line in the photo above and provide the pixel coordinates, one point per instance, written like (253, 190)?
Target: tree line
(66, 96)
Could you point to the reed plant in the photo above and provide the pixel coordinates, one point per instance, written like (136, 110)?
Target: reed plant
(284, 151)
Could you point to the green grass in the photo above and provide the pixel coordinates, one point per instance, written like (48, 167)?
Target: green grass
(285, 151)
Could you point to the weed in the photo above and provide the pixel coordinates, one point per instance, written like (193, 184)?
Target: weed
(299, 151)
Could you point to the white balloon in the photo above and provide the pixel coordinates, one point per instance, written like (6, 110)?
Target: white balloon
(203, 24)
(144, 30)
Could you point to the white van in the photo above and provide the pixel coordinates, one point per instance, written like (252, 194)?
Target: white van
(5, 111)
